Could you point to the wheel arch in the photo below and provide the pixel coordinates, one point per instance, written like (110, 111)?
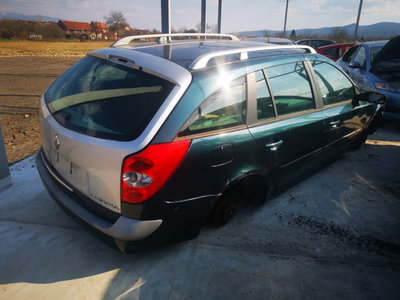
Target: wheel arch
(256, 181)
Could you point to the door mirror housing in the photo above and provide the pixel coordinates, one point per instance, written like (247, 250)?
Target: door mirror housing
(370, 96)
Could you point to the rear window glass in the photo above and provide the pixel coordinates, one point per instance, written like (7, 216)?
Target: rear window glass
(106, 100)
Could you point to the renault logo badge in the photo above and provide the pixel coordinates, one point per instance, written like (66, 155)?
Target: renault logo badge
(57, 142)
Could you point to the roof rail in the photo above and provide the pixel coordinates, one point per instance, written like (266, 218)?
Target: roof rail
(165, 37)
(202, 61)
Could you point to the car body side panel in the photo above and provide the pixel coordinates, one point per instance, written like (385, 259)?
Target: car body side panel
(344, 122)
(213, 163)
(301, 138)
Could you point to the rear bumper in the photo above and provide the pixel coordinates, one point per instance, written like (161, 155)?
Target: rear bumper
(123, 228)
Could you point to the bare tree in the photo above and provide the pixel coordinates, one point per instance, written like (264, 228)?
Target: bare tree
(339, 34)
(214, 28)
(115, 21)
(198, 27)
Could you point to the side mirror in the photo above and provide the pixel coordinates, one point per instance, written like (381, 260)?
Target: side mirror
(370, 96)
(355, 65)
(376, 98)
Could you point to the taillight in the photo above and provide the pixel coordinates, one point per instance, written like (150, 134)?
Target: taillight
(144, 173)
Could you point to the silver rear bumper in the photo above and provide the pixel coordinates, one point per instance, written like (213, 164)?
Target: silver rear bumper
(123, 228)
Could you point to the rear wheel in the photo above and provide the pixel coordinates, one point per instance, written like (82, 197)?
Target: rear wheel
(225, 209)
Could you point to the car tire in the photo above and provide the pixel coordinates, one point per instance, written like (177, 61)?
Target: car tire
(225, 209)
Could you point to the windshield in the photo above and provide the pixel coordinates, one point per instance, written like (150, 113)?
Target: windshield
(107, 100)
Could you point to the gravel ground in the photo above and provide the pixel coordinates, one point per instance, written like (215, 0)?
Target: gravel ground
(22, 81)
(335, 235)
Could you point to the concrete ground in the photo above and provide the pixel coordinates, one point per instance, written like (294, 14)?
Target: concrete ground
(335, 235)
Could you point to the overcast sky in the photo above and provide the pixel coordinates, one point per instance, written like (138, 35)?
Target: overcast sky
(237, 15)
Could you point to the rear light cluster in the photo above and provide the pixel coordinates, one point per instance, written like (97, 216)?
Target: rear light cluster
(144, 173)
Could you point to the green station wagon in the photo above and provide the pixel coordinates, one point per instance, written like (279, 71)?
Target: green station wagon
(146, 141)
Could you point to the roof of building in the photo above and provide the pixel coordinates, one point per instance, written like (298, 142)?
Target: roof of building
(71, 25)
(100, 25)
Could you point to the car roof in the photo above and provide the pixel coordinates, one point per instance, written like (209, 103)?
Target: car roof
(325, 40)
(272, 40)
(199, 53)
(373, 43)
(335, 46)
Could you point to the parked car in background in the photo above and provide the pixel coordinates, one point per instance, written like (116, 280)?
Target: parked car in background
(376, 66)
(334, 51)
(146, 141)
(315, 43)
(272, 40)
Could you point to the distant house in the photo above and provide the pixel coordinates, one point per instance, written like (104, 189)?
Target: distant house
(100, 29)
(81, 30)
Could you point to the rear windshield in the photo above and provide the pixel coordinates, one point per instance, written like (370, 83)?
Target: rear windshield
(106, 100)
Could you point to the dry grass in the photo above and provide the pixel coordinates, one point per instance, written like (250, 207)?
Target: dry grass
(41, 48)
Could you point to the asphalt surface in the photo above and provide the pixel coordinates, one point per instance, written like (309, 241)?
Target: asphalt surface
(335, 235)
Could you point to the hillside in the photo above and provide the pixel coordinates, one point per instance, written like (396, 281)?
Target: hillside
(13, 16)
(383, 30)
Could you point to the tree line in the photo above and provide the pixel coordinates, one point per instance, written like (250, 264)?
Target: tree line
(33, 30)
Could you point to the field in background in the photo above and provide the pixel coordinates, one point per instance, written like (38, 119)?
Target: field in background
(51, 49)
(26, 69)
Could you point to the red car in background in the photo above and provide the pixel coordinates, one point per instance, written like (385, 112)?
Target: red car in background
(334, 51)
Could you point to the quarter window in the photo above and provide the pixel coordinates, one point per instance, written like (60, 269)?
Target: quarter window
(334, 85)
(223, 109)
(291, 88)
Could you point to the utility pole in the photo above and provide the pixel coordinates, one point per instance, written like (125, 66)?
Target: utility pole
(358, 21)
(284, 26)
(203, 16)
(219, 15)
(165, 17)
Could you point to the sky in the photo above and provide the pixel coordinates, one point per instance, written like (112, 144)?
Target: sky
(237, 15)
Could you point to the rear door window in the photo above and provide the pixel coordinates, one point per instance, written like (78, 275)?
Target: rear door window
(265, 108)
(103, 99)
(223, 109)
(291, 88)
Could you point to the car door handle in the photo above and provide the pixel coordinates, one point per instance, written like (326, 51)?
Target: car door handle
(334, 124)
(274, 146)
